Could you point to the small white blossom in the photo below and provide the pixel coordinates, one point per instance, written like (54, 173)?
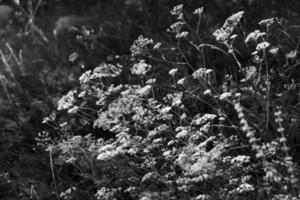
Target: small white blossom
(245, 187)
(225, 95)
(267, 22)
(240, 159)
(183, 116)
(165, 110)
(198, 11)
(66, 101)
(182, 34)
(274, 51)
(292, 54)
(182, 134)
(255, 35)
(207, 92)
(151, 81)
(144, 91)
(262, 46)
(177, 9)
(173, 71)
(140, 68)
(157, 45)
(181, 81)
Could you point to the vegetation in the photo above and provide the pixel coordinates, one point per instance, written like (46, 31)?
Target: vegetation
(149, 100)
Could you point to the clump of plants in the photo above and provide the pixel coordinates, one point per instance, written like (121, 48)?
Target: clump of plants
(165, 127)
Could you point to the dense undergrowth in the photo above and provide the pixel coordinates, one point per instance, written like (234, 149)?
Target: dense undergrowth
(191, 114)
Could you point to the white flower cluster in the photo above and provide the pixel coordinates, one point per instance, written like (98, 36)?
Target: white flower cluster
(240, 159)
(140, 45)
(202, 73)
(223, 33)
(67, 101)
(255, 35)
(140, 68)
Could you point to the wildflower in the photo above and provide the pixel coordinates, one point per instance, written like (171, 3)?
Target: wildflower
(151, 81)
(140, 45)
(274, 51)
(106, 70)
(182, 34)
(82, 94)
(175, 98)
(183, 161)
(255, 35)
(181, 81)
(172, 72)
(245, 187)
(203, 119)
(199, 73)
(150, 176)
(198, 11)
(202, 197)
(233, 36)
(165, 110)
(51, 117)
(267, 22)
(250, 72)
(225, 95)
(177, 9)
(234, 19)
(157, 140)
(141, 68)
(291, 54)
(171, 142)
(145, 90)
(157, 45)
(73, 57)
(262, 46)
(240, 159)
(207, 92)
(208, 71)
(66, 101)
(223, 33)
(176, 27)
(85, 77)
(182, 134)
(183, 116)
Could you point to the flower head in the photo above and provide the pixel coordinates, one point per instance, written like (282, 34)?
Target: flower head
(173, 71)
(262, 46)
(267, 22)
(198, 11)
(140, 68)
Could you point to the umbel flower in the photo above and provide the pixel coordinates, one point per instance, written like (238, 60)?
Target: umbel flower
(223, 33)
(140, 68)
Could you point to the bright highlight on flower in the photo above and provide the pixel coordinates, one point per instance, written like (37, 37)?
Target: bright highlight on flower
(177, 9)
(222, 34)
(255, 35)
(172, 72)
(182, 34)
(140, 68)
(262, 46)
(140, 45)
(67, 101)
(198, 11)
(144, 91)
(267, 22)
